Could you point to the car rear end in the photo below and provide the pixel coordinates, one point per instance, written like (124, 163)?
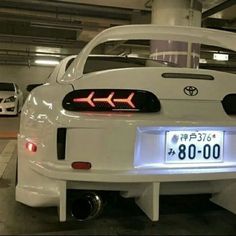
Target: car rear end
(140, 132)
(97, 136)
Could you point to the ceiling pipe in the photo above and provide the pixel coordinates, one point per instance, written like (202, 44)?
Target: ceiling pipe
(65, 7)
(69, 18)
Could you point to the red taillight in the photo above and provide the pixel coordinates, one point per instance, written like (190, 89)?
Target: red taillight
(80, 165)
(86, 100)
(106, 100)
(126, 100)
(31, 147)
(111, 100)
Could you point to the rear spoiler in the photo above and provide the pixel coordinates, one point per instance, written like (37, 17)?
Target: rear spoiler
(189, 34)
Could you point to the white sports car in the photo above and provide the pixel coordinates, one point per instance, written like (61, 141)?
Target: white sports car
(139, 131)
(11, 99)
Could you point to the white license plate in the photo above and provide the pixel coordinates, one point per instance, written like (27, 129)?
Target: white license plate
(194, 146)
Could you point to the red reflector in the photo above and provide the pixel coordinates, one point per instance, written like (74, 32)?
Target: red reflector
(80, 165)
(31, 147)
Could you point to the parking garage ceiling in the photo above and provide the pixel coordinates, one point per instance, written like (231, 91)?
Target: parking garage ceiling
(57, 28)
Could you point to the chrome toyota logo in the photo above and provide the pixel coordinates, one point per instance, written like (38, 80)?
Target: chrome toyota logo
(191, 91)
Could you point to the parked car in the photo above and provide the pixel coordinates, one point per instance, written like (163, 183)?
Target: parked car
(11, 99)
(137, 130)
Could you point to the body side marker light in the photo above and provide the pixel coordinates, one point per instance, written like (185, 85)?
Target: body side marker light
(31, 147)
(80, 165)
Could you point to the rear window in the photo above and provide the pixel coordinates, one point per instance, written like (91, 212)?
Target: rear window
(69, 63)
(121, 54)
(7, 87)
(159, 53)
(98, 63)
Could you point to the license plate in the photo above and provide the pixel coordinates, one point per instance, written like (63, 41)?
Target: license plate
(194, 146)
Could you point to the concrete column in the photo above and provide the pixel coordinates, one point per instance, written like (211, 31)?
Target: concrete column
(176, 13)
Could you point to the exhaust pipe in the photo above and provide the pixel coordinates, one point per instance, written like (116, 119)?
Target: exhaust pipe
(87, 206)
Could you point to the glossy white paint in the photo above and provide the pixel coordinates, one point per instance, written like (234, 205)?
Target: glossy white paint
(15, 105)
(59, 70)
(153, 32)
(127, 150)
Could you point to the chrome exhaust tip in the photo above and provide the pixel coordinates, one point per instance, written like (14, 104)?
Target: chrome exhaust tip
(87, 206)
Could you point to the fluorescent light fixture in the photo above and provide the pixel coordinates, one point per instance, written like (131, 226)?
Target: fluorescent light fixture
(202, 60)
(133, 55)
(45, 54)
(47, 62)
(221, 56)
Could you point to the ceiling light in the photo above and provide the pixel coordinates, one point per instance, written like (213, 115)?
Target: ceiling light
(221, 56)
(47, 62)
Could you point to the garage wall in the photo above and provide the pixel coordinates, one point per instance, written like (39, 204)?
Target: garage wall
(23, 75)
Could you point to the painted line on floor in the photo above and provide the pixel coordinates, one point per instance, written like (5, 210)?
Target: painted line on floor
(4, 135)
(6, 155)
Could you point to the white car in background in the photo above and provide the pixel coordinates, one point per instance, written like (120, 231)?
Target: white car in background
(11, 98)
(139, 131)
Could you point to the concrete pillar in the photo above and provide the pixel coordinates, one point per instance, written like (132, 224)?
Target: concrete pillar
(176, 13)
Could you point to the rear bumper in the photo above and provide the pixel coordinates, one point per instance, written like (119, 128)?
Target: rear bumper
(141, 171)
(135, 175)
(144, 185)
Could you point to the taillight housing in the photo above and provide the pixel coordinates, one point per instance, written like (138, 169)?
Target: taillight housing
(111, 100)
(229, 104)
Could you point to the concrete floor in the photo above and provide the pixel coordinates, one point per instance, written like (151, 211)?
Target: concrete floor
(9, 126)
(179, 215)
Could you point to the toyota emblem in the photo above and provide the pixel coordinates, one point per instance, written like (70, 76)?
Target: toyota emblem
(191, 91)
